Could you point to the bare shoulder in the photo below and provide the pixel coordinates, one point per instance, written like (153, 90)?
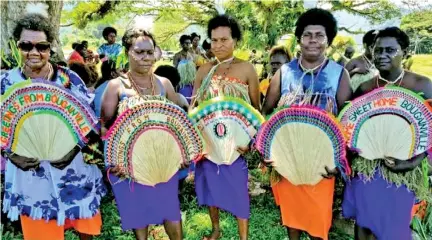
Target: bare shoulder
(420, 83)
(205, 68)
(116, 82)
(163, 80)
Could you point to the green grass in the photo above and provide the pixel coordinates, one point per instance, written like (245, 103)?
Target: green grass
(264, 223)
(423, 65)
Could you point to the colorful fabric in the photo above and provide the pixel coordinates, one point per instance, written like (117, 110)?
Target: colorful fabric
(187, 91)
(308, 208)
(49, 193)
(75, 57)
(304, 207)
(377, 205)
(140, 205)
(110, 50)
(264, 85)
(223, 186)
(43, 230)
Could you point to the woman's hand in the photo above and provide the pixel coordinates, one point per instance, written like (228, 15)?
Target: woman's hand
(400, 166)
(243, 150)
(330, 173)
(23, 163)
(116, 171)
(67, 159)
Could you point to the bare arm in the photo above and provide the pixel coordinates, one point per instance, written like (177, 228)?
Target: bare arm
(253, 82)
(344, 92)
(109, 105)
(351, 65)
(200, 75)
(170, 92)
(176, 59)
(273, 94)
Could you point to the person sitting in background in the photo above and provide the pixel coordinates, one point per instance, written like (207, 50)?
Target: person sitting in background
(349, 53)
(78, 54)
(110, 49)
(279, 55)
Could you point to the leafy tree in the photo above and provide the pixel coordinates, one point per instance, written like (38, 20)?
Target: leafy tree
(418, 25)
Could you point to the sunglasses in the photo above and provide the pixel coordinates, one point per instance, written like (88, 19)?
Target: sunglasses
(41, 47)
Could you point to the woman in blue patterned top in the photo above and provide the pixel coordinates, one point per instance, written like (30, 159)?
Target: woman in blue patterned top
(110, 49)
(48, 197)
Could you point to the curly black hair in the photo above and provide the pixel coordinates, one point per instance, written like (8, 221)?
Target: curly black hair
(107, 31)
(170, 73)
(369, 37)
(133, 33)
(183, 38)
(225, 21)
(34, 22)
(317, 16)
(281, 50)
(401, 37)
(194, 35)
(206, 45)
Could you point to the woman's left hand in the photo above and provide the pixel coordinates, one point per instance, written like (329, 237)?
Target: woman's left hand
(330, 173)
(243, 150)
(399, 166)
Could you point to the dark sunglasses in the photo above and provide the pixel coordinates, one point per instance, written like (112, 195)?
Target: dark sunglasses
(41, 47)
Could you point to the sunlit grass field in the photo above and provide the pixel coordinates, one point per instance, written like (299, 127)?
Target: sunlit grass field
(423, 65)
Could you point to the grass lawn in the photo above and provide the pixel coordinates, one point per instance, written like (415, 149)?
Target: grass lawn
(264, 224)
(423, 65)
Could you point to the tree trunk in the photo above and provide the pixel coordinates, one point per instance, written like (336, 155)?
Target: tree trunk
(12, 11)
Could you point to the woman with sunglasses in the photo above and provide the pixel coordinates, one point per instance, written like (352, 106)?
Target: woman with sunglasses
(312, 76)
(49, 198)
(381, 208)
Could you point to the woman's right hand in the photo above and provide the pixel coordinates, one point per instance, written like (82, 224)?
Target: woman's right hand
(116, 171)
(23, 163)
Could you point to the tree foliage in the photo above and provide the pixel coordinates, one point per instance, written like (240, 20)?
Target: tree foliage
(264, 22)
(376, 11)
(418, 25)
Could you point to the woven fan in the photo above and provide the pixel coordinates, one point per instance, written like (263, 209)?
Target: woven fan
(388, 122)
(225, 124)
(43, 120)
(301, 142)
(151, 140)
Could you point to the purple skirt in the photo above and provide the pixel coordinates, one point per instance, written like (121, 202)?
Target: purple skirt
(380, 207)
(223, 186)
(140, 205)
(186, 91)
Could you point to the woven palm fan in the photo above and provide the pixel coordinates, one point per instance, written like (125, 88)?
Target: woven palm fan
(301, 142)
(388, 122)
(43, 120)
(225, 124)
(150, 141)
